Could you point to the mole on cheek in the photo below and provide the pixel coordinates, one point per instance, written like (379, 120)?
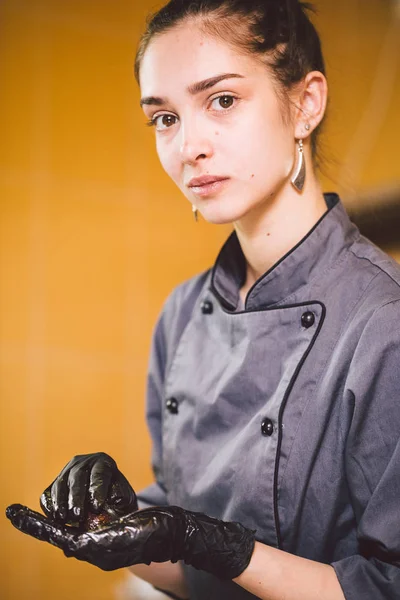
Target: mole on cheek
(252, 175)
(217, 133)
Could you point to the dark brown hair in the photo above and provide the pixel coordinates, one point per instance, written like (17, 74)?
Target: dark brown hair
(278, 32)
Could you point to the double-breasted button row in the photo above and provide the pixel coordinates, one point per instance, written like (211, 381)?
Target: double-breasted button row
(307, 319)
(172, 405)
(267, 427)
(206, 307)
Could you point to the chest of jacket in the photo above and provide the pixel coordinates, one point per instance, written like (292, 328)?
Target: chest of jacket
(225, 394)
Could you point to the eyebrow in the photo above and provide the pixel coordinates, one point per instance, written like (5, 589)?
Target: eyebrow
(193, 89)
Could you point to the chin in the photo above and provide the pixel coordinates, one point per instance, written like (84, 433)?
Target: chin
(219, 217)
(223, 213)
(220, 221)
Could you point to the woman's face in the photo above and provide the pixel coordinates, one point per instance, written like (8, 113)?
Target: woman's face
(217, 116)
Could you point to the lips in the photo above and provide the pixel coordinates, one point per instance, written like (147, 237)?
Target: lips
(198, 182)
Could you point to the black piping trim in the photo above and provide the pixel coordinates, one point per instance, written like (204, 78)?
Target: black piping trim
(282, 408)
(214, 270)
(335, 199)
(271, 308)
(332, 199)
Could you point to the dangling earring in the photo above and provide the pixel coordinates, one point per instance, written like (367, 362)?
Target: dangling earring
(299, 172)
(194, 209)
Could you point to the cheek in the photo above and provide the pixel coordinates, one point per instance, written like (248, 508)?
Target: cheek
(267, 146)
(168, 158)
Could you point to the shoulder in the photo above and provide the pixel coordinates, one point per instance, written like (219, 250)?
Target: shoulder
(363, 299)
(384, 272)
(366, 281)
(375, 322)
(177, 310)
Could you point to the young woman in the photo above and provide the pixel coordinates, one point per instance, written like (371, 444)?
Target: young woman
(274, 382)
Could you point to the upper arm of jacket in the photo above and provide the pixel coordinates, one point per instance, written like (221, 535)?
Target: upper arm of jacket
(372, 459)
(373, 388)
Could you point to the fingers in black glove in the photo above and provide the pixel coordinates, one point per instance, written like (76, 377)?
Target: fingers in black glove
(155, 534)
(118, 545)
(42, 528)
(89, 483)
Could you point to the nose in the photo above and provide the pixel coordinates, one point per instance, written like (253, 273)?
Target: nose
(194, 144)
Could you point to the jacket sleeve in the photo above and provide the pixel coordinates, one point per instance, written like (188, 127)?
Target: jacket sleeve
(174, 318)
(373, 460)
(155, 494)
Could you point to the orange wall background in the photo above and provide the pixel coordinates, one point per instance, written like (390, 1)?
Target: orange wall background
(93, 236)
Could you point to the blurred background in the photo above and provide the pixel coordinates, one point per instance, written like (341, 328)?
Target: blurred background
(93, 237)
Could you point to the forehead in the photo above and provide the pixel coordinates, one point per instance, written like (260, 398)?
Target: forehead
(177, 58)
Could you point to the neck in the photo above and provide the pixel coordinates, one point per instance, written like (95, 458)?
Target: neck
(275, 227)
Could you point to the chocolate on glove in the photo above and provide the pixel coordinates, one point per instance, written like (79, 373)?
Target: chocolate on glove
(157, 534)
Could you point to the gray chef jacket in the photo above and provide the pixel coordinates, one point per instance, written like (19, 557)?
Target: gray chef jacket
(284, 414)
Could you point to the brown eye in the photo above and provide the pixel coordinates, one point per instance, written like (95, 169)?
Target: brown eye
(225, 101)
(167, 120)
(162, 122)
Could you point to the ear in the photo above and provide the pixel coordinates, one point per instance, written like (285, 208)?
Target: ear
(310, 103)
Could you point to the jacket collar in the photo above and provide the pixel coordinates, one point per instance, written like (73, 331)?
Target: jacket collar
(317, 251)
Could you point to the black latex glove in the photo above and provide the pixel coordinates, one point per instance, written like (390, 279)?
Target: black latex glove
(157, 534)
(89, 485)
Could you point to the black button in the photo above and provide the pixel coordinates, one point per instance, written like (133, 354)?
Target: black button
(206, 307)
(308, 319)
(172, 405)
(267, 427)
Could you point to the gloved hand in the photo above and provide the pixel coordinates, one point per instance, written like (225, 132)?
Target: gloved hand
(157, 534)
(89, 491)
